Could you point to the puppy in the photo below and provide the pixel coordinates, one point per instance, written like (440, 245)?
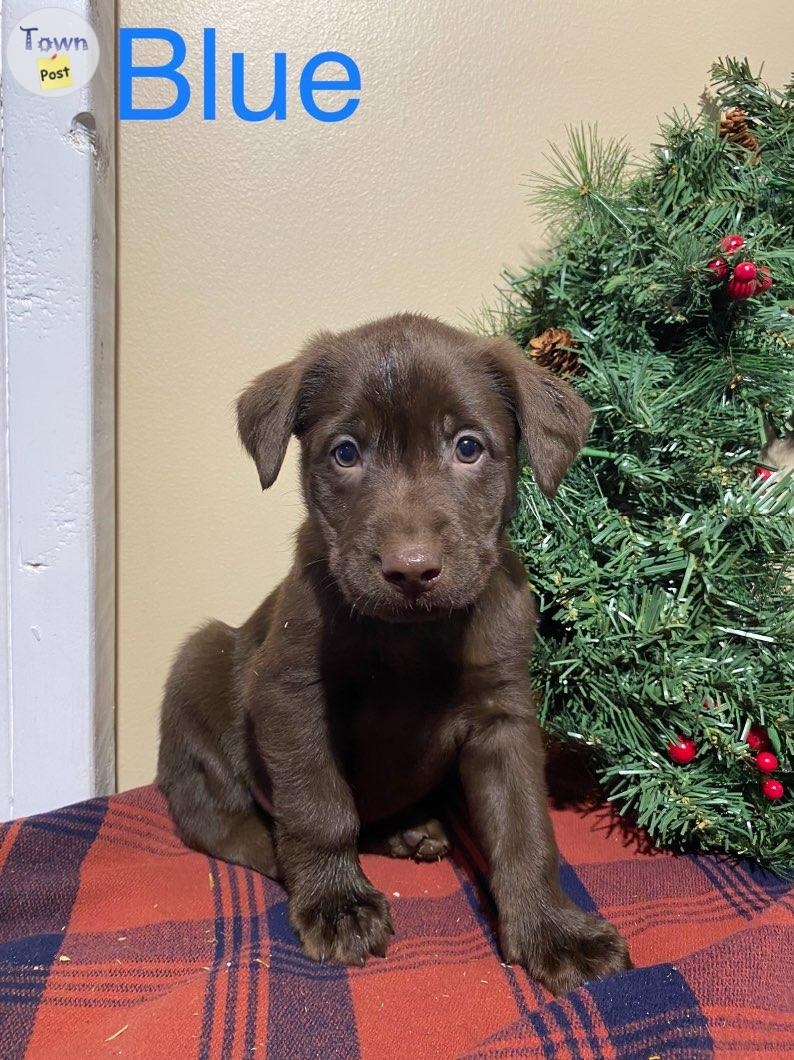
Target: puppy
(395, 652)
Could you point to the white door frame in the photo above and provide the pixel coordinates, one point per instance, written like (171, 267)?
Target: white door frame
(57, 440)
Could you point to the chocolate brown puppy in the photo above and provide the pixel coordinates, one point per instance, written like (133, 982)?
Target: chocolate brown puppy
(395, 652)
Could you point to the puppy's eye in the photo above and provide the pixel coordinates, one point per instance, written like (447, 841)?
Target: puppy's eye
(468, 450)
(346, 454)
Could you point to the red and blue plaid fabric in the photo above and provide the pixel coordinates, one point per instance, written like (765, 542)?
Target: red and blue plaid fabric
(115, 940)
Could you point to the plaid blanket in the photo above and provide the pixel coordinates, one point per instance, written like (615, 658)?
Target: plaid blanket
(115, 940)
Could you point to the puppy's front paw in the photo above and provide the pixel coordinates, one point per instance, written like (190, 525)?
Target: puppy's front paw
(345, 927)
(566, 949)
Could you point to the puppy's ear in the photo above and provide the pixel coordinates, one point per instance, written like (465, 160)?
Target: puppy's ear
(552, 419)
(271, 408)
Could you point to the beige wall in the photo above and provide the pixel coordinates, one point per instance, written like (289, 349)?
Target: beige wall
(237, 240)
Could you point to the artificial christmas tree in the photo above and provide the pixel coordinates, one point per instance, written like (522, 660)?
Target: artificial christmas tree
(663, 569)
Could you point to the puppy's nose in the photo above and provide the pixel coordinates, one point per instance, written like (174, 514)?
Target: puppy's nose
(413, 570)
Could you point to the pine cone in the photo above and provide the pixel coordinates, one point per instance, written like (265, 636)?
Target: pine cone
(734, 127)
(556, 349)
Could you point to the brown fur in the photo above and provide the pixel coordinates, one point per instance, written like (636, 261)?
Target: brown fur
(779, 451)
(395, 652)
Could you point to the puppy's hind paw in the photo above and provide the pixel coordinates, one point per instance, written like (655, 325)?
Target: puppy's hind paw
(425, 842)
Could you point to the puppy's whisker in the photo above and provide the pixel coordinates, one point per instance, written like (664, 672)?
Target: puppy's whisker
(314, 562)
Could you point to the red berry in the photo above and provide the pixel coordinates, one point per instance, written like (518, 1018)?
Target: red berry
(763, 280)
(718, 268)
(773, 789)
(745, 271)
(736, 288)
(766, 762)
(730, 244)
(682, 750)
(757, 739)
(708, 702)
(764, 473)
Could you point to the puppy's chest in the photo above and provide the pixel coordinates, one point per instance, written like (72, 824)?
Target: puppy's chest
(397, 735)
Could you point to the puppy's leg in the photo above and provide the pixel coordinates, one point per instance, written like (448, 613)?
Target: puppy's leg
(333, 908)
(501, 768)
(227, 826)
(201, 769)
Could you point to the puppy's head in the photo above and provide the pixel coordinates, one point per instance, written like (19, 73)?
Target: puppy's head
(409, 431)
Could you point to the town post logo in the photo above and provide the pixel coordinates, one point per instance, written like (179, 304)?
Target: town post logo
(52, 52)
